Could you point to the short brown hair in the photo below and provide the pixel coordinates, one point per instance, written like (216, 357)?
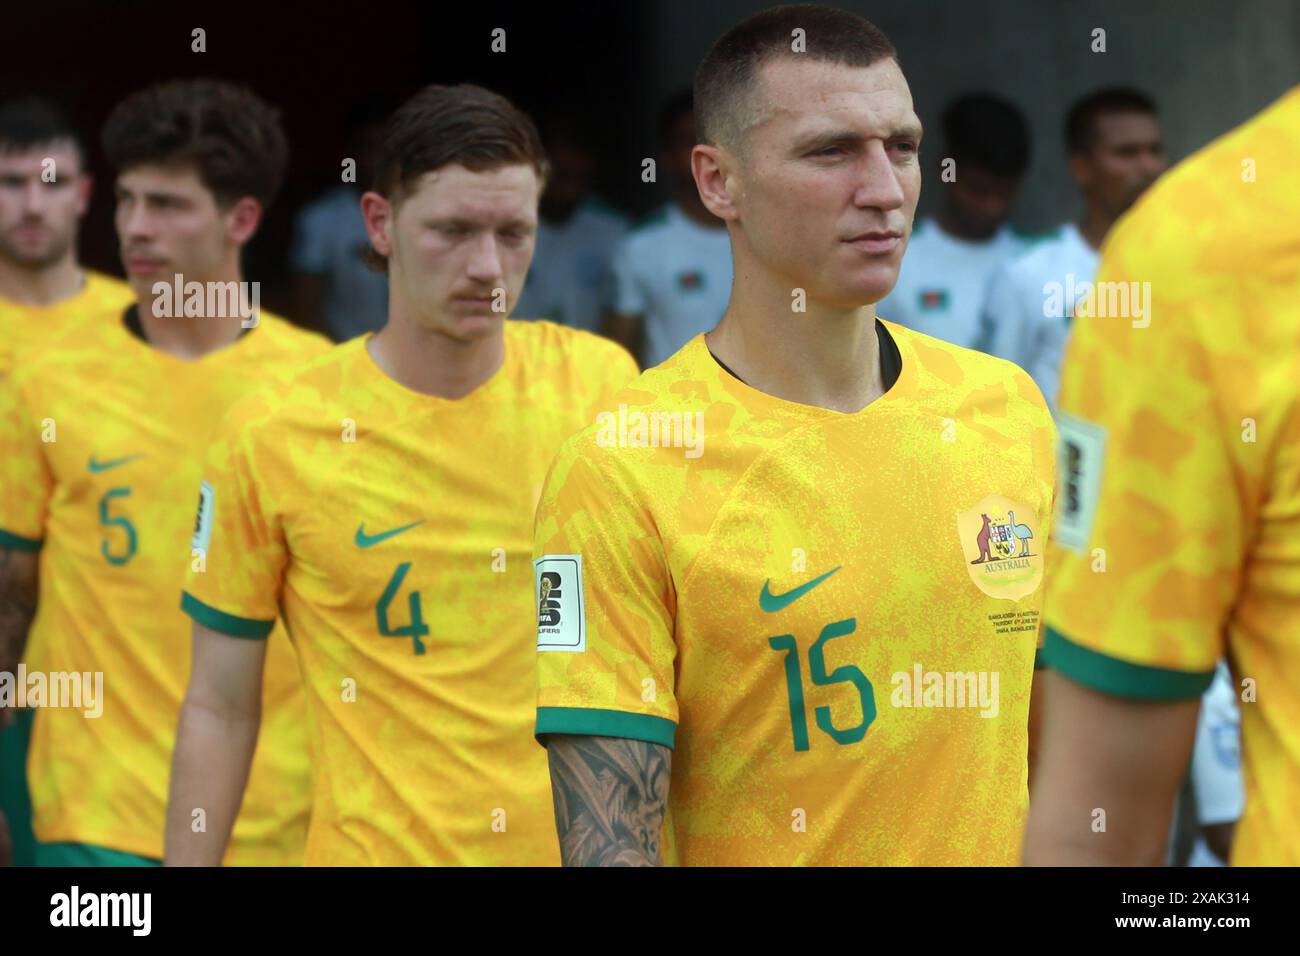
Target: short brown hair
(726, 79)
(231, 137)
(445, 125)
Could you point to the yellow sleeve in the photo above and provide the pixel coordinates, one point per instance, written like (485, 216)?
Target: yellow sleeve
(26, 482)
(235, 587)
(605, 604)
(1150, 530)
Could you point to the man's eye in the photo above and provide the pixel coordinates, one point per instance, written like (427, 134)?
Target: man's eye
(906, 146)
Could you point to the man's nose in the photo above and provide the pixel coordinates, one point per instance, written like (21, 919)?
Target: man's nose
(879, 186)
(485, 259)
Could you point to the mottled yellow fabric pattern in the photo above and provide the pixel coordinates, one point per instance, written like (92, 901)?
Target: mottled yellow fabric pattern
(394, 529)
(102, 446)
(1196, 461)
(25, 326)
(793, 602)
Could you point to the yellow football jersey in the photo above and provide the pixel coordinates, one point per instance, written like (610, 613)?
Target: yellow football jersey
(831, 617)
(1179, 530)
(101, 449)
(26, 326)
(393, 531)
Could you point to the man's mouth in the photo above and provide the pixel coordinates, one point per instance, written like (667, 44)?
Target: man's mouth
(876, 242)
(137, 264)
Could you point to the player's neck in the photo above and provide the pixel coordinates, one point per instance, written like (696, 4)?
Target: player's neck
(1094, 226)
(824, 357)
(190, 337)
(433, 363)
(953, 228)
(41, 286)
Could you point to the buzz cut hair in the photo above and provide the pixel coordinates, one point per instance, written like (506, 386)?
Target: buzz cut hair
(726, 83)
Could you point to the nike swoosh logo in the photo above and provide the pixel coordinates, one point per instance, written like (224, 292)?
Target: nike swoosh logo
(771, 603)
(97, 466)
(370, 540)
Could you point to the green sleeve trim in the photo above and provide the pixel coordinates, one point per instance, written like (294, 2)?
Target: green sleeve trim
(589, 722)
(228, 624)
(1039, 663)
(16, 542)
(1113, 676)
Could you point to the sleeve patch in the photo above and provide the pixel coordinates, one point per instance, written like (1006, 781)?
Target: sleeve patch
(561, 614)
(203, 520)
(1082, 450)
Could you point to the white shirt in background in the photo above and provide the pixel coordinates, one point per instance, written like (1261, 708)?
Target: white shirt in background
(1026, 316)
(675, 274)
(943, 281)
(570, 281)
(329, 241)
(1216, 763)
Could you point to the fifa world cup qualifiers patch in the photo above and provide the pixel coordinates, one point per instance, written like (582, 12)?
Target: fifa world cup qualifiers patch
(1002, 546)
(203, 520)
(1079, 461)
(561, 616)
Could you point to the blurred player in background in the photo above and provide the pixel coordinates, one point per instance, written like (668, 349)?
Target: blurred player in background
(101, 443)
(951, 258)
(333, 288)
(672, 274)
(776, 615)
(1179, 535)
(383, 501)
(570, 280)
(1116, 152)
(44, 192)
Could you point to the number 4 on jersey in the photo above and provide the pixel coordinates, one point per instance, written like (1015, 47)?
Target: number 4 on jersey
(417, 628)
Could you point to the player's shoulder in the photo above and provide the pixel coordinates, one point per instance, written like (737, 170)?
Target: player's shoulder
(283, 336)
(80, 350)
(538, 338)
(111, 291)
(667, 394)
(303, 391)
(953, 376)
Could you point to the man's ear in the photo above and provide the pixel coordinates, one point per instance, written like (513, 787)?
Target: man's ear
(379, 214)
(713, 168)
(243, 219)
(84, 190)
(1080, 169)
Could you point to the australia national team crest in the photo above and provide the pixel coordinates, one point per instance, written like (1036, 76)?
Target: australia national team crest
(1003, 546)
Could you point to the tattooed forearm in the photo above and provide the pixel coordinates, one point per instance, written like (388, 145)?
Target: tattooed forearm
(610, 794)
(17, 605)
